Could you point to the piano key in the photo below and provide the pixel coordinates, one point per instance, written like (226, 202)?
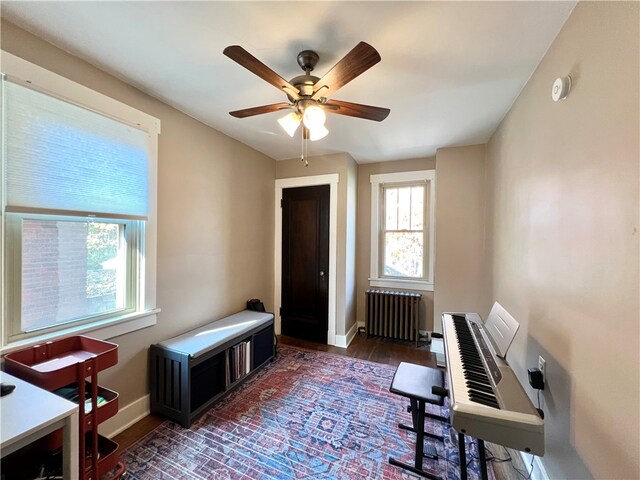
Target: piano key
(488, 403)
(478, 377)
(480, 386)
(478, 371)
(478, 394)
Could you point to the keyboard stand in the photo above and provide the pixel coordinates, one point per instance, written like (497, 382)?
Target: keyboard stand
(413, 409)
(482, 457)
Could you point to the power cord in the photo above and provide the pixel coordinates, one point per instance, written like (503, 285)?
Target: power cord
(530, 472)
(509, 458)
(539, 409)
(493, 458)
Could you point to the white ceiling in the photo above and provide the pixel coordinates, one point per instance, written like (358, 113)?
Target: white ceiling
(449, 71)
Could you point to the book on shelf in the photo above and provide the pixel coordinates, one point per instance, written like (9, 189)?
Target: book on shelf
(247, 358)
(238, 360)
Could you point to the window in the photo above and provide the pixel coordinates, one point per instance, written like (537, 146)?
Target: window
(78, 211)
(402, 230)
(72, 270)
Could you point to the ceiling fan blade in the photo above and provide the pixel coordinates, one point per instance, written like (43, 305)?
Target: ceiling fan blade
(250, 112)
(357, 61)
(357, 110)
(251, 63)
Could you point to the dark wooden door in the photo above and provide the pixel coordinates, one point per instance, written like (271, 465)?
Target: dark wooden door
(305, 262)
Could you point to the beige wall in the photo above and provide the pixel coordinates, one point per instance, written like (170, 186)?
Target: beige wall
(462, 281)
(215, 216)
(562, 231)
(363, 240)
(344, 165)
(350, 273)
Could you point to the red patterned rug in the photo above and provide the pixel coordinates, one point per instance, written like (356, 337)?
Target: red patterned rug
(307, 415)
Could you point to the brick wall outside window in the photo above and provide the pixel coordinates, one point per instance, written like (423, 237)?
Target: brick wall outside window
(56, 283)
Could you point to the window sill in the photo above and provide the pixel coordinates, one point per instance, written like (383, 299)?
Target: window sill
(404, 284)
(103, 330)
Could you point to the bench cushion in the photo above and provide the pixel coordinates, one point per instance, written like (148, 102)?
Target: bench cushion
(415, 381)
(201, 340)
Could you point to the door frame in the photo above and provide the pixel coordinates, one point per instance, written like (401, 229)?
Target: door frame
(332, 180)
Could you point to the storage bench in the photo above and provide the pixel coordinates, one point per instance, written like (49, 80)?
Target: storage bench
(192, 371)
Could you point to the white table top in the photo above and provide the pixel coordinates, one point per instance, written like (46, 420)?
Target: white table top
(29, 409)
(198, 341)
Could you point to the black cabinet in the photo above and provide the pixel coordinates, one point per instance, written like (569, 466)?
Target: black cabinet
(262, 347)
(189, 373)
(207, 380)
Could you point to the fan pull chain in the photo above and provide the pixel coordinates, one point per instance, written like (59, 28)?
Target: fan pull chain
(304, 154)
(302, 144)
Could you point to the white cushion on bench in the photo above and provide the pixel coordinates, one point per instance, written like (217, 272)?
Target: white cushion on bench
(201, 340)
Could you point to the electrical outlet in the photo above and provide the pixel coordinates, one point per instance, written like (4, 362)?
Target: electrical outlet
(542, 363)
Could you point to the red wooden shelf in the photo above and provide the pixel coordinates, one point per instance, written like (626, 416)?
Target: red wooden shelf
(107, 458)
(53, 365)
(67, 362)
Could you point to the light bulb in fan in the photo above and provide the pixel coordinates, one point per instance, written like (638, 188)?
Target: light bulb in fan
(317, 133)
(290, 123)
(313, 117)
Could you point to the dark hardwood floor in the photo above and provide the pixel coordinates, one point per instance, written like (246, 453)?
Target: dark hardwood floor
(138, 430)
(377, 350)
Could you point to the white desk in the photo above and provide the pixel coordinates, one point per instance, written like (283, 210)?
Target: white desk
(29, 413)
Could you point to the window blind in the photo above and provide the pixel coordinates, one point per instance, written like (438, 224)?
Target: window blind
(62, 158)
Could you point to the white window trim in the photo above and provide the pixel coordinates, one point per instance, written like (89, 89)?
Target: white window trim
(376, 181)
(102, 330)
(19, 70)
(13, 227)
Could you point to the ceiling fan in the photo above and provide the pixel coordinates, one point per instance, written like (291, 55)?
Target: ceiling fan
(308, 94)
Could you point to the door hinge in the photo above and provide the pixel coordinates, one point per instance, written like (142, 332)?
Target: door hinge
(281, 202)
(280, 311)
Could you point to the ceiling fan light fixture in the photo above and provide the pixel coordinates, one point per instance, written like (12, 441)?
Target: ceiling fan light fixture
(290, 123)
(308, 95)
(317, 133)
(313, 117)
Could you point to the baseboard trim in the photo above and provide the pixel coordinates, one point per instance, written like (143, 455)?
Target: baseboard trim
(331, 338)
(343, 341)
(539, 472)
(126, 417)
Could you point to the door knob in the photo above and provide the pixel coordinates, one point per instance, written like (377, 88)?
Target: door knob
(321, 273)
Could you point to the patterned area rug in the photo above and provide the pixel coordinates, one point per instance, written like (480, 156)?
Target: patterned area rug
(307, 415)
